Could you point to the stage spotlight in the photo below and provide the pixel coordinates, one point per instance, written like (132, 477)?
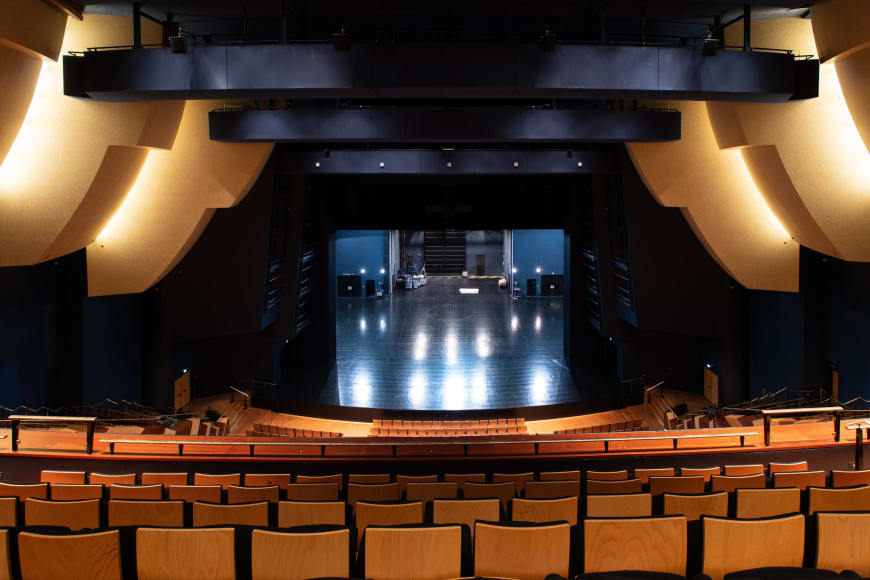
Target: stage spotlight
(341, 40)
(382, 271)
(538, 269)
(548, 41)
(362, 270)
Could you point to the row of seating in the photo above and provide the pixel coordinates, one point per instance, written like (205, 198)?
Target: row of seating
(481, 432)
(635, 425)
(442, 425)
(264, 430)
(434, 552)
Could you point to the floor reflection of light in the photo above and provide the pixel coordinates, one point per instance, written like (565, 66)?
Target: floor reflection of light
(540, 382)
(482, 345)
(515, 323)
(362, 388)
(362, 324)
(417, 392)
(420, 346)
(450, 348)
(383, 324)
(453, 394)
(478, 388)
(537, 323)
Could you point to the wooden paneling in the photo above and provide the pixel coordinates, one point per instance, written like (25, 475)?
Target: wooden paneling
(692, 507)
(732, 482)
(52, 477)
(607, 475)
(166, 514)
(786, 467)
(519, 479)
(504, 492)
(67, 492)
(765, 503)
(249, 514)
(413, 553)
(426, 492)
(76, 557)
(545, 510)
(368, 478)
(225, 480)
(5, 556)
(705, 472)
(800, 479)
(264, 479)
(644, 474)
(651, 544)
(431, 450)
(181, 390)
(627, 505)
(732, 545)
(307, 513)
(752, 469)
(299, 556)
(178, 554)
(8, 512)
(109, 479)
(403, 480)
(372, 492)
(165, 479)
(337, 479)
(711, 386)
(501, 449)
(524, 553)
(559, 475)
(842, 542)
(23, 491)
(462, 478)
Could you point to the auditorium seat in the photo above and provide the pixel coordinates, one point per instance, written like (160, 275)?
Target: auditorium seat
(372, 492)
(167, 514)
(8, 512)
(192, 493)
(337, 479)
(559, 476)
(88, 556)
(164, 479)
(245, 514)
(74, 477)
(624, 505)
(413, 552)
(300, 554)
(850, 478)
(676, 484)
(426, 492)
(705, 472)
(404, 480)
(181, 554)
(733, 545)
(693, 506)
(610, 487)
(731, 482)
(784, 467)
(644, 474)
(5, 556)
(75, 515)
(240, 494)
(840, 499)
(753, 469)
(121, 491)
(368, 478)
(23, 491)
(110, 478)
(282, 480)
(386, 514)
(800, 479)
(552, 489)
(519, 479)
(651, 544)
(312, 491)
(309, 513)
(462, 478)
(545, 510)
(764, 503)
(465, 511)
(607, 475)
(841, 542)
(520, 550)
(504, 491)
(225, 480)
(72, 491)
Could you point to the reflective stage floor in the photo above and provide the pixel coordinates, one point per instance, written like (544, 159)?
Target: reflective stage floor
(434, 348)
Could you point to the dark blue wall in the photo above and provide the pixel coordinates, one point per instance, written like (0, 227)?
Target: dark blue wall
(776, 341)
(358, 249)
(490, 244)
(533, 249)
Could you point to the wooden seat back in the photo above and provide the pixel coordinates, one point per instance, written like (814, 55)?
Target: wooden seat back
(8, 513)
(644, 474)
(266, 479)
(368, 514)
(504, 491)
(676, 484)
(191, 493)
(462, 478)
(372, 492)
(607, 475)
(732, 482)
(121, 491)
(24, 491)
(424, 553)
(110, 478)
(800, 479)
(694, 506)
(545, 510)
(765, 503)
(73, 477)
(519, 479)
(94, 556)
(176, 554)
(552, 489)
(753, 469)
(559, 475)
(705, 472)
(841, 542)
(310, 513)
(245, 514)
(164, 514)
(404, 480)
(164, 479)
(5, 556)
(850, 478)
(521, 551)
(611, 487)
(465, 511)
(75, 515)
(74, 491)
(337, 479)
(298, 556)
(625, 505)
(651, 544)
(426, 492)
(240, 494)
(312, 491)
(785, 467)
(843, 499)
(225, 480)
(732, 545)
(368, 478)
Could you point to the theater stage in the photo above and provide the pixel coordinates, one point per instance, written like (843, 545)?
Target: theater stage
(435, 348)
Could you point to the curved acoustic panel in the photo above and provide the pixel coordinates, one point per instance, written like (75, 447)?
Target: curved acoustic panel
(34, 27)
(171, 203)
(73, 161)
(840, 27)
(18, 75)
(720, 202)
(853, 73)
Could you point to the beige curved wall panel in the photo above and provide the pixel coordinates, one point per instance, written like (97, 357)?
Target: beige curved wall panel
(34, 27)
(720, 203)
(853, 73)
(170, 204)
(62, 178)
(841, 27)
(18, 75)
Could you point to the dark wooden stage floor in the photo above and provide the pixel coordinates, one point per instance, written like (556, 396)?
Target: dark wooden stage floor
(434, 348)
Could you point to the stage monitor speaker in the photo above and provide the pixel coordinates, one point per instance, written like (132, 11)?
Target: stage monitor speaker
(350, 286)
(552, 285)
(532, 287)
(370, 287)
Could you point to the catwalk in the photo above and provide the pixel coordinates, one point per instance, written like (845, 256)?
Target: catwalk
(435, 348)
